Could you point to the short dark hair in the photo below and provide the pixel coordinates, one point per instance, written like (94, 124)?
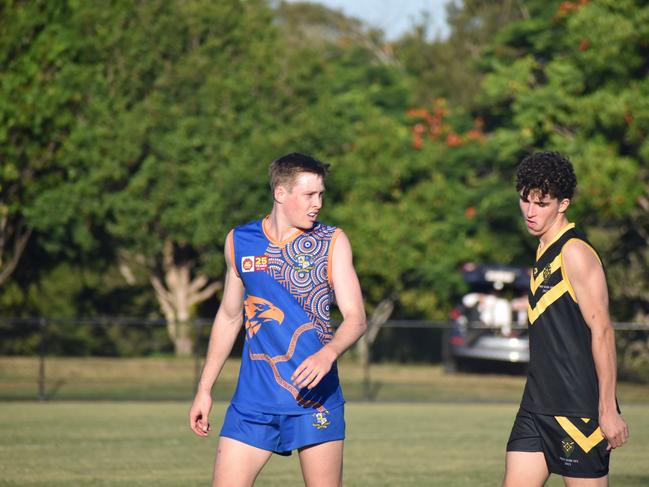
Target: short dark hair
(550, 173)
(284, 171)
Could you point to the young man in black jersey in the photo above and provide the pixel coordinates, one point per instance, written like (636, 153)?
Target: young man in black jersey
(568, 419)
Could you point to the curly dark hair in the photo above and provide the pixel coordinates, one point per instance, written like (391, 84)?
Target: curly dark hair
(551, 173)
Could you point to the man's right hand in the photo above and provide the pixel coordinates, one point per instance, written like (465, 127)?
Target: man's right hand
(199, 412)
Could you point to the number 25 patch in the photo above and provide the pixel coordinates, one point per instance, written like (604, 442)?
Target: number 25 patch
(254, 263)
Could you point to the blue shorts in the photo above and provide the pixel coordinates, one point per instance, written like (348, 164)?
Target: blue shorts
(282, 433)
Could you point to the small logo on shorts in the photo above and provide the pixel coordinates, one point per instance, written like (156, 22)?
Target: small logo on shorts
(568, 446)
(321, 420)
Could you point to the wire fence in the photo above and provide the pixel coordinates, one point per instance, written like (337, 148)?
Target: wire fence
(45, 340)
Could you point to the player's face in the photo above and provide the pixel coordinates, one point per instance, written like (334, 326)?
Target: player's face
(303, 201)
(542, 213)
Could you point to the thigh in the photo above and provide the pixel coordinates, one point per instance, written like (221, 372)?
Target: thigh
(322, 464)
(525, 468)
(237, 464)
(572, 482)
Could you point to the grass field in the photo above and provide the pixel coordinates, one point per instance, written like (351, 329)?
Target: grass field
(173, 378)
(391, 444)
(451, 433)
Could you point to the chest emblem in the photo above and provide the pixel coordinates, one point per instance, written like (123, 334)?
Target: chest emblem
(547, 272)
(303, 262)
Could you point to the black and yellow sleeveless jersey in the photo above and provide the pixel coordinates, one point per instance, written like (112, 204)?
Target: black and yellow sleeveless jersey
(562, 379)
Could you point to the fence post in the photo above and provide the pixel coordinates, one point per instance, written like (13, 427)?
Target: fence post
(447, 361)
(42, 349)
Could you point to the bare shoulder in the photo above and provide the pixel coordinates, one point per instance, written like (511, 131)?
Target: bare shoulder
(341, 238)
(228, 247)
(582, 264)
(342, 249)
(577, 253)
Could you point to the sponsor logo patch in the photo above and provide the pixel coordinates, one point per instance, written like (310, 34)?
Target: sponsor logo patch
(254, 263)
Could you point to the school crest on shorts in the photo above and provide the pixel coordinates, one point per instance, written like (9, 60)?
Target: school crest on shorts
(321, 420)
(568, 446)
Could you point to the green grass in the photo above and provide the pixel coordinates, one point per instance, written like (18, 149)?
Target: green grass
(173, 379)
(425, 428)
(94, 443)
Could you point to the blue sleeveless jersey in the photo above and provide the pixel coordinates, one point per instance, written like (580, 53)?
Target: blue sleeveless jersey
(287, 299)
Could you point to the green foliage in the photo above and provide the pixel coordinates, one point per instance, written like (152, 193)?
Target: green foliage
(575, 80)
(128, 126)
(448, 67)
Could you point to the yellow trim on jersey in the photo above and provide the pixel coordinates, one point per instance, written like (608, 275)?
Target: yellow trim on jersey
(563, 272)
(540, 252)
(585, 420)
(564, 276)
(554, 265)
(548, 298)
(585, 442)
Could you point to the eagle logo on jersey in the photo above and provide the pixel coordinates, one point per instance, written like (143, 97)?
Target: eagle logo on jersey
(260, 312)
(567, 445)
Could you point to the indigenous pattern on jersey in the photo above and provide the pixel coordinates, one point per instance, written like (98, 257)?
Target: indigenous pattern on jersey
(287, 300)
(561, 376)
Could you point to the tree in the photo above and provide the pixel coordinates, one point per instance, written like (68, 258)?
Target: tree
(449, 68)
(38, 100)
(151, 129)
(573, 78)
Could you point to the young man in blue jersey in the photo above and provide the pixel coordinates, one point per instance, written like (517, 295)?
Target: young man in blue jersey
(568, 420)
(282, 274)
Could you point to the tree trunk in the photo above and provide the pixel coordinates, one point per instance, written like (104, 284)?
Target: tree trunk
(364, 345)
(177, 294)
(14, 234)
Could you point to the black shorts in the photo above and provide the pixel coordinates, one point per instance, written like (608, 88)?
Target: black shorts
(572, 446)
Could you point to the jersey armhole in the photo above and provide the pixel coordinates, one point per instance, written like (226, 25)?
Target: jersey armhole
(232, 255)
(330, 257)
(564, 275)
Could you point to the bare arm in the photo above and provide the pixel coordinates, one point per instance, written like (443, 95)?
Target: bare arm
(586, 276)
(225, 329)
(350, 303)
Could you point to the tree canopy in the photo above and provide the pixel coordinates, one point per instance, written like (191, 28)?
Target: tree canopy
(134, 135)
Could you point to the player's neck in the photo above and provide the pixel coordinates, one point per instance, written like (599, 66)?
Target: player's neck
(278, 228)
(548, 237)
